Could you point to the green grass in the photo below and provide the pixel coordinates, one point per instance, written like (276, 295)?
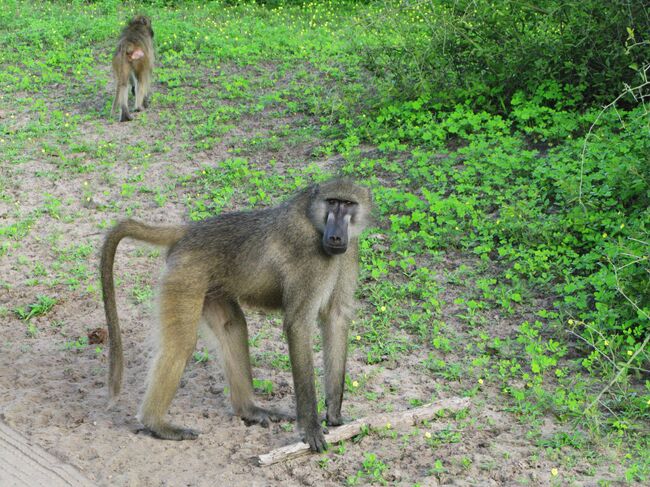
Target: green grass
(511, 249)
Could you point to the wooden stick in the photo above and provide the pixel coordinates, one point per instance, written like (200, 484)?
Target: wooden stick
(409, 417)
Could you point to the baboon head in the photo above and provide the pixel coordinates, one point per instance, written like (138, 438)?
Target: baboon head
(142, 20)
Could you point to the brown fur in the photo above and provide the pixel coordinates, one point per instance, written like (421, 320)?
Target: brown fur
(133, 65)
(300, 257)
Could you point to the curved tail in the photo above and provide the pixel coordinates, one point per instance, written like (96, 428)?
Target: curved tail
(157, 235)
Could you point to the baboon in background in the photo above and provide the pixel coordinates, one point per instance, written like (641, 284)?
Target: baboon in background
(301, 257)
(133, 63)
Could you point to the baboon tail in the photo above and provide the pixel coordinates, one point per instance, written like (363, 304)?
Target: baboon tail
(157, 235)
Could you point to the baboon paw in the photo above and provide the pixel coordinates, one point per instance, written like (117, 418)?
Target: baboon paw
(316, 440)
(263, 417)
(263, 421)
(334, 420)
(173, 433)
(277, 416)
(189, 434)
(126, 118)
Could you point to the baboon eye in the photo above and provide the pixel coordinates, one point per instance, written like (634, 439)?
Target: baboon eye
(332, 202)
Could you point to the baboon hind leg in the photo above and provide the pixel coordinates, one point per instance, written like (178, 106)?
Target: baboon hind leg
(226, 320)
(123, 74)
(142, 87)
(122, 101)
(133, 81)
(180, 313)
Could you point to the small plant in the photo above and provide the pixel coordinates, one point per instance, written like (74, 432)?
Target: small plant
(80, 344)
(141, 292)
(201, 356)
(263, 385)
(445, 436)
(466, 463)
(438, 468)
(32, 330)
(42, 306)
(353, 385)
(372, 471)
(363, 432)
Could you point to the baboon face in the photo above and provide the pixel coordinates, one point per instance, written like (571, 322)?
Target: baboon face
(340, 210)
(335, 236)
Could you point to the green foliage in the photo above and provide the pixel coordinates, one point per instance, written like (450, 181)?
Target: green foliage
(559, 212)
(487, 52)
(502, 201)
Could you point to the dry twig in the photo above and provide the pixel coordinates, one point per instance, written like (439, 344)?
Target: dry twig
(396, 419)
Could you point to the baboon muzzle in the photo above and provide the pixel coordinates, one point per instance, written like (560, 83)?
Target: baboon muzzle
(335, 236)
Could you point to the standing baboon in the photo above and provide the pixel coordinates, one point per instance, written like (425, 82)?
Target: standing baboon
(133, 63)
(301, 257)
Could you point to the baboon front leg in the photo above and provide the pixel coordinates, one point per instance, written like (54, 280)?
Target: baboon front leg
(227, 322)
(335, 345)
(179, 315)
(140, 92)
(302, 368)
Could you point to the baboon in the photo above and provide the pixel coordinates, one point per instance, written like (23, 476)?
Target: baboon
(300, 257)
(133, 63)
